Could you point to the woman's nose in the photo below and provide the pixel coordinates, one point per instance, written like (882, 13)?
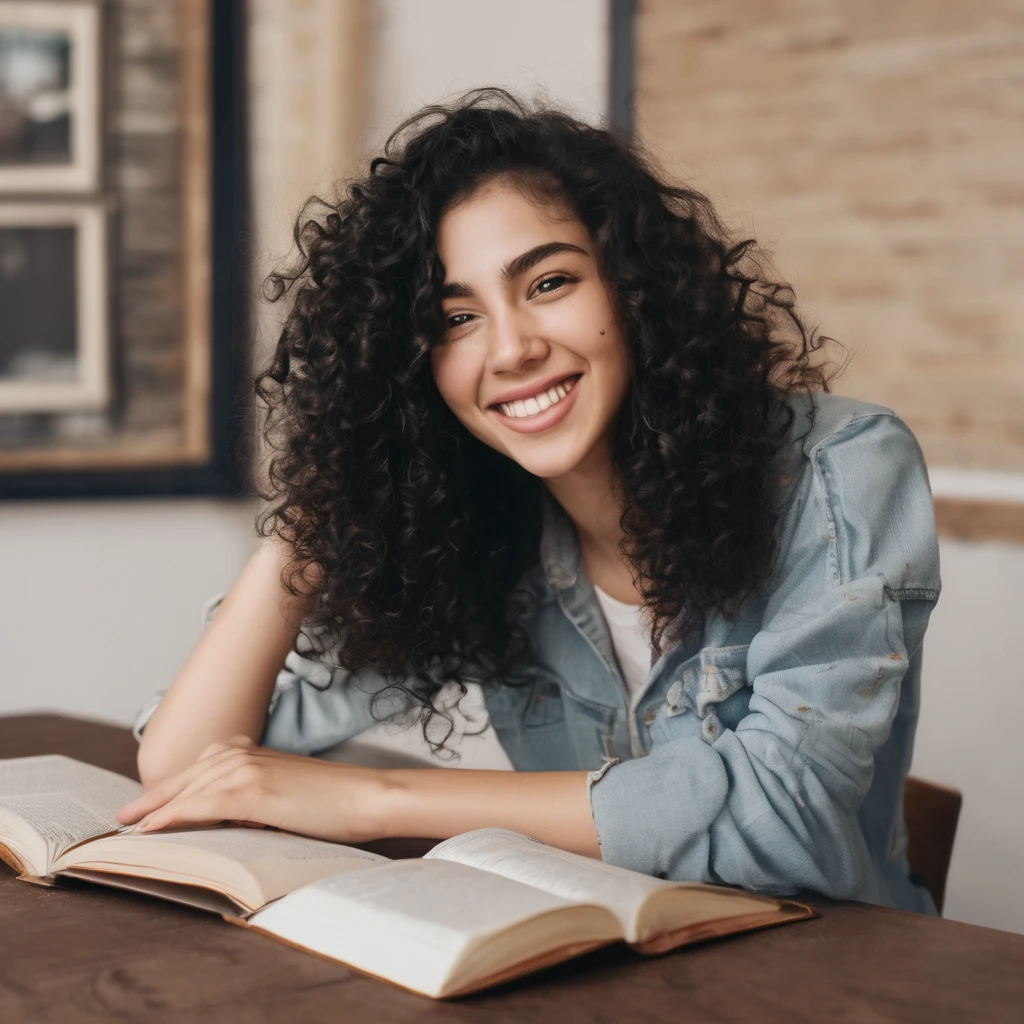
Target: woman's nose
(514, 342)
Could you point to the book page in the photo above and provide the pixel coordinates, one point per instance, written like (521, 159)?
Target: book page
(276, 861)
(63, 800)
(175, 892)
(569, 875)
(246, 845)
(412, 921)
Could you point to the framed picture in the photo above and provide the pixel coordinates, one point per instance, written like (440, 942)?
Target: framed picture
(122, 366)
(49, 96)
(53, 293)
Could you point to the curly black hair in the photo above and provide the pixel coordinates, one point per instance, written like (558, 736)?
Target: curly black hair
(417, 532)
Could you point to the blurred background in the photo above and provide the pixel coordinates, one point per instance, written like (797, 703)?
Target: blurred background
(875, 149)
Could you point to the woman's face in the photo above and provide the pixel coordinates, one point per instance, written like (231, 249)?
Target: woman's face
(532, 362)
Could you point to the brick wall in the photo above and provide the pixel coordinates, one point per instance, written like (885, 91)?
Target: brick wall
(878, 150)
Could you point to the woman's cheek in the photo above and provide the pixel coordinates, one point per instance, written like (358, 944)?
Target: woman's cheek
(440, 366)
(456, 381)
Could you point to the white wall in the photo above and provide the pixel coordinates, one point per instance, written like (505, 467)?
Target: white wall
(427, 52)
(99, 601)
(969, 735)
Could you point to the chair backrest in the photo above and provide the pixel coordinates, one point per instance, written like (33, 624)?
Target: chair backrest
(931, 812)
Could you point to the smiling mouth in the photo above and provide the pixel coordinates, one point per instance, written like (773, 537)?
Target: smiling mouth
(524, 408)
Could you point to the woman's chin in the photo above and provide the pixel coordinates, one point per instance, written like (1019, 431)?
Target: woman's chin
(549, 466)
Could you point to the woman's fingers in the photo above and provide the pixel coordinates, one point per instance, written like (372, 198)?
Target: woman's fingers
(216, 768)
(231, 791)
(239, 740)
(161, 792)
(175, 784)
(207, 807)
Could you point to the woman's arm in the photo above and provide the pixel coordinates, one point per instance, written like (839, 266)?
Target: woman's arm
(774, 804)
(240, 782)
(437, 803)
(223, 689)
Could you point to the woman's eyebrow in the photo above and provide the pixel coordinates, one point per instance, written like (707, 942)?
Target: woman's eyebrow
(515, 266)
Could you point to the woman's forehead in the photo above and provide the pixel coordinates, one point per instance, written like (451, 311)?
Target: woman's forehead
(497, 221)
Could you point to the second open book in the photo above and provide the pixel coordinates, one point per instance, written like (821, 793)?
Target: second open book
(477, 909)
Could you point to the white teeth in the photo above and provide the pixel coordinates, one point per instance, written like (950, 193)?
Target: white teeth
(538, 403)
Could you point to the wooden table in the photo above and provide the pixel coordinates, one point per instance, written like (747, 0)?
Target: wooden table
(75, 955)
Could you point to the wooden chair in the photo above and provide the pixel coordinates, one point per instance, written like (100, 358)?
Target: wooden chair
(931, 813)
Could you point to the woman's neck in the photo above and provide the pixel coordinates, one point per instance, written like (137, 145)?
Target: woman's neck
(587, 498)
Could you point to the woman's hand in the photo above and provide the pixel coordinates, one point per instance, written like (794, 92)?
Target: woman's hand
(244, 784)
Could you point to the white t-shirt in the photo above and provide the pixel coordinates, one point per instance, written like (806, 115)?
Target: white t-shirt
(629, 625)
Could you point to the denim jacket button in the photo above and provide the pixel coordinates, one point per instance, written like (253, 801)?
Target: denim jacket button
(649, 717)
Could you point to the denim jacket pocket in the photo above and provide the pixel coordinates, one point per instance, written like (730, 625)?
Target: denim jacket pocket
(530, 723)
(705, 682)
(533, 702)
(592, 728)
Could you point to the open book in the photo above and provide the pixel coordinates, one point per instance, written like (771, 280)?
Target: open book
(476, 910)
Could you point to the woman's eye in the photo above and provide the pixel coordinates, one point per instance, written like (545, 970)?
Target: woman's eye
(458, 319)
(555, 283)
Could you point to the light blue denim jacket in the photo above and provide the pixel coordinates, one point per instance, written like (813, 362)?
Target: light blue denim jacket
(768, 753)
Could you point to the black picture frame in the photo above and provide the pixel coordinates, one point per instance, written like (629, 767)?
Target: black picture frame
(224, 473)
(622, 67)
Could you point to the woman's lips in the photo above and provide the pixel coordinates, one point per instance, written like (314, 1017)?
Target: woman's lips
(542, 420)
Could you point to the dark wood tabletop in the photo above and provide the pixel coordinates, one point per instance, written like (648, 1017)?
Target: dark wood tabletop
(89, 953)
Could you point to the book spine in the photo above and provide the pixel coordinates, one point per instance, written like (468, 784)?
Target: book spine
(49, 881)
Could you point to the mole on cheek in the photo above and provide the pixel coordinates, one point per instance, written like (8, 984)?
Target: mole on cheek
(601, 333)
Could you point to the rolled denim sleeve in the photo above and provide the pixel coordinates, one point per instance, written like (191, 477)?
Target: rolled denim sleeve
(315, 704)
(772, 805)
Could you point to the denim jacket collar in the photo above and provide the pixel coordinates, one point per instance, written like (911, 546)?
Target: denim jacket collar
(559, 545)
(560, 560)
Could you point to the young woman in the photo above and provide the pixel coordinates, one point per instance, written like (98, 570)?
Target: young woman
(539, 425)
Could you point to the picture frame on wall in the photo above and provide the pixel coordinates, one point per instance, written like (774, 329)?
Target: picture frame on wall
(50, 136)
(147, 401)
(53, 293)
